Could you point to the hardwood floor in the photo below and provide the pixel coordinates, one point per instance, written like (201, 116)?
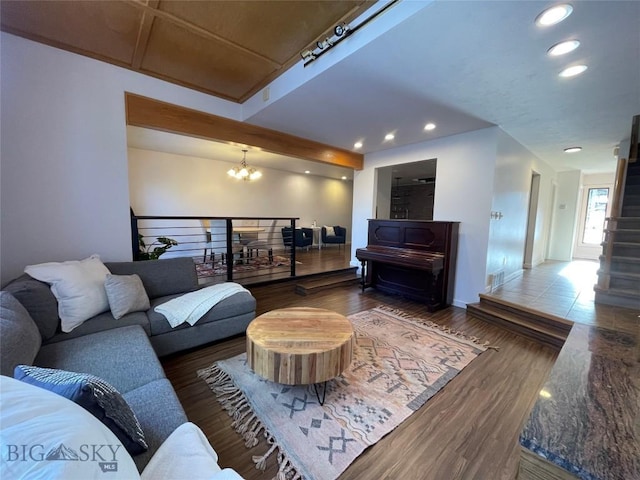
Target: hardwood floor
(469, 430)
(308, 262)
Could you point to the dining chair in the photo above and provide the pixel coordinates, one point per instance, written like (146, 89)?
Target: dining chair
(216, 241)
(253, 241)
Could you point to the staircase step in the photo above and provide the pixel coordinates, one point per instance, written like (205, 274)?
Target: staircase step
(542, 317)
(632, 189)
(626, 275)
(626, 235)
(630, 200)
(625, 281)
(621, 265)
(625, 222)
(632, 211)
(624, 249)
(618, 297)
(626, 259)
(623, 259)
(325, 281)
(632, 179)
(539, 326)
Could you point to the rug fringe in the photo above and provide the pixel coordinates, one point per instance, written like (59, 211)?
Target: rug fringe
(401, 314)
(246, 422)
(261, 461)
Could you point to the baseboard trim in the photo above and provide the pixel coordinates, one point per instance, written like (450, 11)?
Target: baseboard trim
(458, 303)
(513, 275)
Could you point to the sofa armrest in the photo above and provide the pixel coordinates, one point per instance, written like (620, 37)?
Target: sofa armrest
(161, 277)
(40, 302)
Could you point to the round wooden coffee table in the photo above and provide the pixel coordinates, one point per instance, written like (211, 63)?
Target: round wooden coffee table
(300, 346)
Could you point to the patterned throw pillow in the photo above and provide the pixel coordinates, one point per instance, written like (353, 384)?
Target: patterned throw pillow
(126, 294)
(330, 231)
(93, 394)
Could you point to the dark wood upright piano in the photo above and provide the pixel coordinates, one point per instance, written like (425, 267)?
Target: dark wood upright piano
(413, 258)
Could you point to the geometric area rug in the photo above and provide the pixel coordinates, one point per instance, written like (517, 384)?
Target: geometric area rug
(273, 265)
(399, 363)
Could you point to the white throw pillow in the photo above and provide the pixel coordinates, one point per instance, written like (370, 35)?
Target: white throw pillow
(42, 431)
(126, 294)
(185, 454)
(330, 231)
(78, 285)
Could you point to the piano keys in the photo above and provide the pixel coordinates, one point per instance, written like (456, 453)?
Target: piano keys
(412, 258)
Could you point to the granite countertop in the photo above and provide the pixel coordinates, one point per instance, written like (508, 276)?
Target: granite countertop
(587, 416)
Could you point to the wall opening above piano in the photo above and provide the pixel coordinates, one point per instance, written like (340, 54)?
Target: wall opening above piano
(406, 191)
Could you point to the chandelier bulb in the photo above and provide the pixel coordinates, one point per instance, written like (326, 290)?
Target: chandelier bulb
(244, 172)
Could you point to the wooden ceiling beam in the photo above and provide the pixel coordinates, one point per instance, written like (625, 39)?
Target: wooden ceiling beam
(149, 113)
(156, 12)
(143, 35)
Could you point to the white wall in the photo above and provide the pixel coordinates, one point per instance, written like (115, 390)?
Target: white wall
(565, 214)
(382, 206)
(169, 184)
(511, 191)
(299, 74)
(463, 193)
(64, 189)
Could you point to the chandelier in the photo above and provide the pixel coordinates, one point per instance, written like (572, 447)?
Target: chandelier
(244, 172)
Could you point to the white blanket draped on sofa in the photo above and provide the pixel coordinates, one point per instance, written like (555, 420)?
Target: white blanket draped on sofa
(191, 306)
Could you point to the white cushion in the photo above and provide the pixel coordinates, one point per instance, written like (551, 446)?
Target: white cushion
(185, 454)
(78, 285)
(49, 425)
(126, 294)
(330, 231)
(226, 474)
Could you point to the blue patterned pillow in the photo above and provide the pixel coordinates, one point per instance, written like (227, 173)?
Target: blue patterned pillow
(93, 394)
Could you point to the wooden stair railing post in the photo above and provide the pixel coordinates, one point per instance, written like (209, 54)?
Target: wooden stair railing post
(612, 222)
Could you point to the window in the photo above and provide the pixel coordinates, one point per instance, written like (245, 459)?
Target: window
(593, 232)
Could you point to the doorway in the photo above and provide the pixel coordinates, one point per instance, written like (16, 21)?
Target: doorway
(406, 191)
(594, 208)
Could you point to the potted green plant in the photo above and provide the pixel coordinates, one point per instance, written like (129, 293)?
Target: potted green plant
(149, 252)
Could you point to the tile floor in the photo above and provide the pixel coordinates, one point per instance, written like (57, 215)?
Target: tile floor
(565, 289)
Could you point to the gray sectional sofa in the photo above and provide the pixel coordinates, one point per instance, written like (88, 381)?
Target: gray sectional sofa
(123, 352)
(162, 280)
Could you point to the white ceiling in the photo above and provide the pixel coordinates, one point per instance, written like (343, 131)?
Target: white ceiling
(467, 65)
(464, 65)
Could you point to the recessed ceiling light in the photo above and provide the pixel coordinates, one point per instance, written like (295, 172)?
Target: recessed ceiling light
(389, 136)
(563, 47)
(357, 145)
(572, 71)
(572, 149)
(344, 178)
(307, 171)
(430, 126)
(554, 15)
